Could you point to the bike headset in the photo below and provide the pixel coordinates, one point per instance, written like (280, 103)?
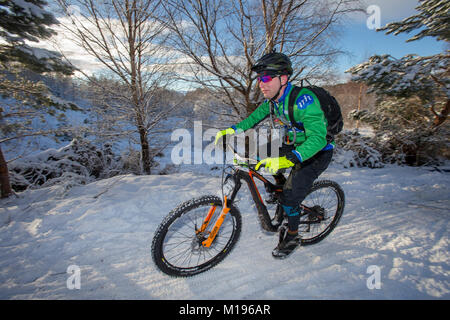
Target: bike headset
(275, 64)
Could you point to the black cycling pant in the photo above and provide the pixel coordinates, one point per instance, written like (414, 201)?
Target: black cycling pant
(300, 181)
(302, 177)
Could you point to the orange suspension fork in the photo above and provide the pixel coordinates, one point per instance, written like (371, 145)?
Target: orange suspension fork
(207, 219)
(212, 235)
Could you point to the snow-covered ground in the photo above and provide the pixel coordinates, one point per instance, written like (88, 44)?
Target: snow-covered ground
(396, 219)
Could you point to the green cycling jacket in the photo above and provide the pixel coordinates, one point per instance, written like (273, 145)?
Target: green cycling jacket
(307, 112)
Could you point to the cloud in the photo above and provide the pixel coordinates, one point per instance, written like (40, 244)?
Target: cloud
(61, 42)
(390, 10)
(68, 44)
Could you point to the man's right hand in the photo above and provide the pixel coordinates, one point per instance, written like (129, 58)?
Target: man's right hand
(220, 134)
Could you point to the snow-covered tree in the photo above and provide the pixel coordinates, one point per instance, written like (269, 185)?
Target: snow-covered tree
(27, 20)
(218, 41)
(431, 21)
(126, 39)
(23, 100)
(427, 78)
(413, 91)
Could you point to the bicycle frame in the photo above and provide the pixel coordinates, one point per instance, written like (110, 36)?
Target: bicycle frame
(248, 176)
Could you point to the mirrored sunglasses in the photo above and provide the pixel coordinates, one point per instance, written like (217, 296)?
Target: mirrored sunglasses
(265, 79)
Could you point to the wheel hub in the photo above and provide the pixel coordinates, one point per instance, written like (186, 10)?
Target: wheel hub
(317, 213)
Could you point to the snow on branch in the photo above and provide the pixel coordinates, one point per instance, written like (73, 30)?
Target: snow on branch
(408, 76)
(432, 21)
(77, 163)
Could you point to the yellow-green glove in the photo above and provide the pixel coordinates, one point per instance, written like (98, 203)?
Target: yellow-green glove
(220, 134)
(275, 164)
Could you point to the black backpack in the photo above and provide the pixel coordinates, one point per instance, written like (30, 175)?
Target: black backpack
(330, 108)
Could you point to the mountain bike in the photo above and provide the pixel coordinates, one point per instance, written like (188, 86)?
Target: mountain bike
(200, 233)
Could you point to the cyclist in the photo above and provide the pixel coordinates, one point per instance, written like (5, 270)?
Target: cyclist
(309, 155)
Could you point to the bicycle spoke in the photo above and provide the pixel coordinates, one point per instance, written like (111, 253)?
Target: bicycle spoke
(326, 199)
(182, 247)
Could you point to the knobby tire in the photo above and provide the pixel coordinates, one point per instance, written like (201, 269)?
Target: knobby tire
(213, 255)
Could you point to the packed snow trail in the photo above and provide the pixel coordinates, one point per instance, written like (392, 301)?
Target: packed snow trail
(396, 219)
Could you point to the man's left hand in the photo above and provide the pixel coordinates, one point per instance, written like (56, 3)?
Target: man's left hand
(275, 164)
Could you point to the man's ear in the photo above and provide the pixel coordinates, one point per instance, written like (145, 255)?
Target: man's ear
(284, 80)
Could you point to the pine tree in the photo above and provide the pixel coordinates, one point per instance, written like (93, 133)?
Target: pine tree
(404, 85)
(21, 21)
(433, 20)
(412, 75)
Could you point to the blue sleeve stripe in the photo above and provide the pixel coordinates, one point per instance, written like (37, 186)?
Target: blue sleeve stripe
(234, 128)
(298, 155)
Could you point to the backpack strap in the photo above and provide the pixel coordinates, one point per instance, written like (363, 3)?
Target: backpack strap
(292, 99)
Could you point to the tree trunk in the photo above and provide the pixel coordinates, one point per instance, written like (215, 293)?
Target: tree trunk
(135, 56)
(4, 177)
(359, 104)
(145, 150)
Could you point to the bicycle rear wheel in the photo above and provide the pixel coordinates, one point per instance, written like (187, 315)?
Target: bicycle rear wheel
(324, 207)
(177, 245)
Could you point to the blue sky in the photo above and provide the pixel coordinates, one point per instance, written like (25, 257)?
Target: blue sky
(356, 38)
(362, 42)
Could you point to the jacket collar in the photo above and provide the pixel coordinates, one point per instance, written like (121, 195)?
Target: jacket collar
(286, 92)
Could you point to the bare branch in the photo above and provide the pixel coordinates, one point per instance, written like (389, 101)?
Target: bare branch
(128, 40)
(222, 45)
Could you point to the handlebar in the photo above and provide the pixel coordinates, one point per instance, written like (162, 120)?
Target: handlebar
(248, 162)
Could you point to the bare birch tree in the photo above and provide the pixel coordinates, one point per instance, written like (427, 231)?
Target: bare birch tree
(125, 37)
(219, 40)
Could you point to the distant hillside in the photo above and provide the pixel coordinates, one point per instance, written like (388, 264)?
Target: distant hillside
(348, 95)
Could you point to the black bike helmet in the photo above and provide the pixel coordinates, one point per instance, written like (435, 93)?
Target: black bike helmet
(274, 63)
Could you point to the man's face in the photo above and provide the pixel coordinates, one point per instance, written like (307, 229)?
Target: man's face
(270, 85)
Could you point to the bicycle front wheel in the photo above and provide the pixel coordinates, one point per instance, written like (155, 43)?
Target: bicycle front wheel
(177, 248)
